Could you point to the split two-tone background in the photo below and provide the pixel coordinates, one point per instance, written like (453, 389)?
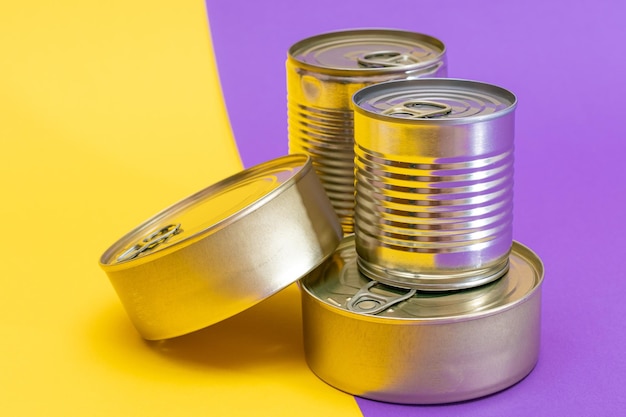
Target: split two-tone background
(110, 111)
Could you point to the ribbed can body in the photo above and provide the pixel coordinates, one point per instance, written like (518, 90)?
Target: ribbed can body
(434, 175)
(323, 73)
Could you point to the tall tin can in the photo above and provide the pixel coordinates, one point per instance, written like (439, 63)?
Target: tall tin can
(434, 182)
(323, 72)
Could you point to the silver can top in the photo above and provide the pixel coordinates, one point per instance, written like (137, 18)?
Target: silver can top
(434, 100)
(339, 284)
(368, 51)
(206, 212)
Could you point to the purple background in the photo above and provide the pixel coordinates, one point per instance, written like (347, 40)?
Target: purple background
(566, 63)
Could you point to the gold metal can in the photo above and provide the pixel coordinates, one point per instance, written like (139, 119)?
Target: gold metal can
(405, 346)
(434, 182)
(323, 72)
(223, 249)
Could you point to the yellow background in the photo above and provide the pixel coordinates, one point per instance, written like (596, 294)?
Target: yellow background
(109, 112)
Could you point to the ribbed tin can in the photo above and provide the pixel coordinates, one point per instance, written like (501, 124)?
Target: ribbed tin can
(406, 346)
(434, 182)
(323, 72)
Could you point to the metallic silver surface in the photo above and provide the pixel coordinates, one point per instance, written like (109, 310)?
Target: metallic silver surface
(323, 72)
(431, 348)
(149, 243)
(434, 182)
(223, 249)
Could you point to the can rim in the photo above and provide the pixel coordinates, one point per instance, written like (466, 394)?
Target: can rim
(292, 52)
(522, 250)
(357, 97)
(107, 260)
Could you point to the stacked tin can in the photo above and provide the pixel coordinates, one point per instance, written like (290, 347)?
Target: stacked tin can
(434, 175)
(430, 300)
(323, 72)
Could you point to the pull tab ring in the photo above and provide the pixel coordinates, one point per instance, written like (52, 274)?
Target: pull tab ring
(385, 59)
(419, 109)
(150, 242)
(368, 302)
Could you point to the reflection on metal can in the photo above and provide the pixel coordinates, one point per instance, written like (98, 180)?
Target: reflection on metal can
(323, 72)
(421, 347)
(434, 182)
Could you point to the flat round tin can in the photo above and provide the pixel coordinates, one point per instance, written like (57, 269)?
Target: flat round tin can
(434, 182)
(223, 249)
(406, 346)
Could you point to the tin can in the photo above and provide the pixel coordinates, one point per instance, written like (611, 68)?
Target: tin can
(434, 182)
(323, 72)
(223, 249)
(404, 346)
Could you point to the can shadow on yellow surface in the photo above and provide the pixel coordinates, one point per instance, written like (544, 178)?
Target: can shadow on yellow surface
(270, 331)
(268, 334)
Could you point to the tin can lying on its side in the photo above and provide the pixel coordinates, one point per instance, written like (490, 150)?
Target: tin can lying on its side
(403, 346)
(434, 182)
(223, 249)
(323, 72)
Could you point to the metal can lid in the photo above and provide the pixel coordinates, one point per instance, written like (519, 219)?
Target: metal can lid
(223, 249)
(339, 285)
(205, 212)
(434, 100)
(368, 51)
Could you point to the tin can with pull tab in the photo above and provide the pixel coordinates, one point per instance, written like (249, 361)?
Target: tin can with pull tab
(223, 249)
(323, 72)
(421, 347)
(434, 182)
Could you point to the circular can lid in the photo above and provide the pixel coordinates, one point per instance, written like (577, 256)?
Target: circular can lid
(368, 51)
(434, 100)
(223, 249)
(339, 284)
